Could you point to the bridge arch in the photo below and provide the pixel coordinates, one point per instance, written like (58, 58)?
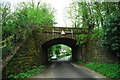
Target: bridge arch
(76, 50)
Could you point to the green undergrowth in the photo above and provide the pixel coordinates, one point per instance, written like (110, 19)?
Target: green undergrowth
(60, 56)
(28, 73)
(70, 57)
(110, 70)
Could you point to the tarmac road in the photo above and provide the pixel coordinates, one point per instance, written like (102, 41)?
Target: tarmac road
(63, 69)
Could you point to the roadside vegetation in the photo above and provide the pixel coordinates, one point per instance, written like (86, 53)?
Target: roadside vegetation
(63, 55)
(18, 23)
(109, 70)
(28, 73)
(101, 20)
(59, 50)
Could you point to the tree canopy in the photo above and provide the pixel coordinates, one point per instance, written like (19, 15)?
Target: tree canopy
(17, 24)
(100, 19)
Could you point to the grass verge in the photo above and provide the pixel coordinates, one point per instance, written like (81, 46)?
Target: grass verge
(110, 70)
(28, 73)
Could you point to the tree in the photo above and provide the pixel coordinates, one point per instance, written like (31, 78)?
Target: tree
(101, 20)
(18, 25)
(111, 38)
(55, 49)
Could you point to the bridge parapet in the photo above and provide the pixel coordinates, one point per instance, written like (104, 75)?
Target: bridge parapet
(54, 32)
(68, 30)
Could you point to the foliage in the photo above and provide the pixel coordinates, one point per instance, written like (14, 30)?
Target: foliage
(101, 20)
(79, 62)
(70, 57)
(81, 38)
(28, 73)
(60, 56)
(19, 23)
(110, 70)
(55, 50)
(110, 39)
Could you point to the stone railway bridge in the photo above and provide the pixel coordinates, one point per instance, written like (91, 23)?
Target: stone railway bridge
(34, 50)
(46, 37)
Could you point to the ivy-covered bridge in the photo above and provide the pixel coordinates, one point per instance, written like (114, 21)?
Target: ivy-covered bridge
(34, 50)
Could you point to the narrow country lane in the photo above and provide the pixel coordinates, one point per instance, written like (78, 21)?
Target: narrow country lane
(65, 69)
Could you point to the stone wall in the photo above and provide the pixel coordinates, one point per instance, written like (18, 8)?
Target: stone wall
(27, 57)
(92, 52)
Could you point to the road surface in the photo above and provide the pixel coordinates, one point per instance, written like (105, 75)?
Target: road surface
(67, 58)
(62, 68)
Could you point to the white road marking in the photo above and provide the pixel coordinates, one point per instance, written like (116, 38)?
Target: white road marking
(74, 65)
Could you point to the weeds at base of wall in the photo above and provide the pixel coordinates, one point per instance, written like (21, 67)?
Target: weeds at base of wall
(110, 70)
(28, 73)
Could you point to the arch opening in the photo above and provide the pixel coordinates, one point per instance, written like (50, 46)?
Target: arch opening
(64, 41)
(59, 52)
